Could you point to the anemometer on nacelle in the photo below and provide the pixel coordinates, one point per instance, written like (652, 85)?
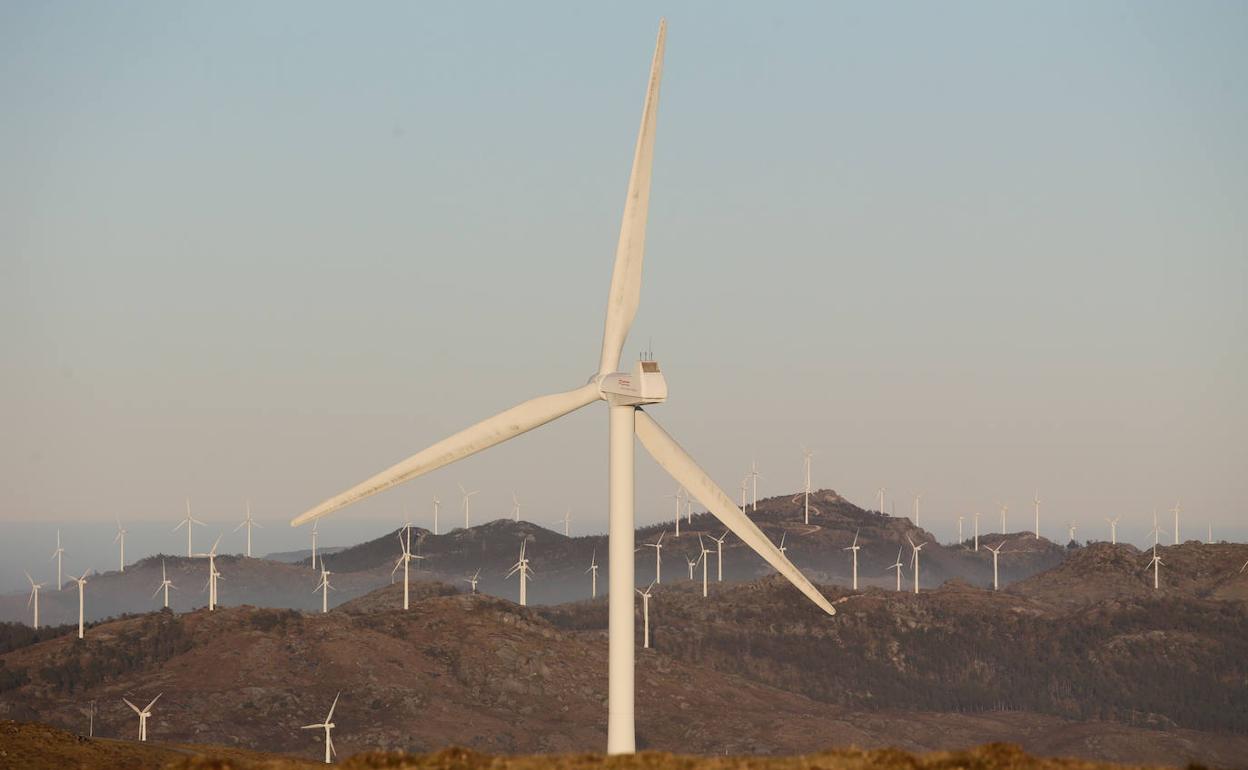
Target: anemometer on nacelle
(644, 385)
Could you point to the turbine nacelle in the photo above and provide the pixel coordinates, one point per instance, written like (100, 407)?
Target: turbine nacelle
(644, 385)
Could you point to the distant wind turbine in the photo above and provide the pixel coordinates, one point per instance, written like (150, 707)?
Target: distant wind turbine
(189, 522)
(806, 455)
(436, 503)
(917, 498)
(314, 533)
(679, 498)
(754, 477)
(691, 563)
(248, 523)
(745, 488)
(960, 538)
(881, 492)
(1070, 531)
(977, 533)
(34, 597)
(328, 725)
(703, 558)
(521, 567)
(593, 575)
(405, 560)
(324, 587)
(1175, 510)
(645, 614)
(567, 522)
(1004, 510)
(995, 553)
(914, 561)
(465, 496)
(657, 545)
(82, 584)
(143, 713)
(1156, 530)
(1155, 563)
(853, 548)
(1113, 529)
(121, 539)
(515, 507)
(472, 581)
(58, 554)
(783, 535)
(1036, 502)
(165, 584)
(898, 566)
(719, 555)
(211, 556)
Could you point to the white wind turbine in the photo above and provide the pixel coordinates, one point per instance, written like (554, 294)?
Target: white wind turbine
(1156, 530)
(645, 614)
(1004, 510)
(472, 581)
(781, 547)
(515, 507)
(82, 584)
(521, 567)
(328, 725)
(914, 561)
(34, 598)
(853, 548)
(464, 494)
(1070, 531)
(917, 498)
(567, 522)
(625, 393)
(898, 566)
(143, 713)
(248, 523)
(314, 533)
(120, 537)
(881, 492)
(754, 476)
(189, 522)
(719, 555)
(211, 556)
(405, 560)
(165, 584)
(678, 497)
(58, 554)
(806, 455)
(745, 488)
(960, 538)
(1155, 563)
(436, 503)
(995, 552)
(324, 587)
(976, 533)
(1175, 510)
(657, 545)
(593, 575)
(691, 563)
(1036, 502)
(1113, 529)
(703, 557)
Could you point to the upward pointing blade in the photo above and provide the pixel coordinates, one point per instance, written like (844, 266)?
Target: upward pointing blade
(485, 434)
(664, 449)
(625, 292)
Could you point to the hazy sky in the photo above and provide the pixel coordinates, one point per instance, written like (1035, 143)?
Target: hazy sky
(968, 249)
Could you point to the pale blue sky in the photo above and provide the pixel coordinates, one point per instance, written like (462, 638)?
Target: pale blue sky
(970, 249)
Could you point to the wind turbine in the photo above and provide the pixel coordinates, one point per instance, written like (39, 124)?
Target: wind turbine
(960, 538)
(995, 552)
(189, 522)
(1036, 502)
(645, 614)
(914, 561)
(314, 526)
(405, 559)
(1004, 510)
(977, 533)
(34, 598)
(567, 522)
(917, 498)
(521, 567)
(1175, 510)
(1113, 529)
(703, 558)
(657, 545)
(1156, 530)
(324, 587)
(754, 477)
(328, 725)
(121, 538)
(678, 497)
(143, 713)
(436, 503)
(248, 523)
(625, 393)
(1155, 563)
(212, 573)
(463, 493)
(691, 563)
(515, 507)
(853, 548)
(745, 488)
(82, 583)
(781, 547)
(165, 584)
(593, 575)
(58, 554)
(881, 492)
(898, 566)
(806, 455)
(1070, 531)
(472, 581)
(719, 555)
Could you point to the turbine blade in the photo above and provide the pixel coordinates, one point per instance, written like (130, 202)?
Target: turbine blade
(485, 434)
(153, 703)
(131, 705)
(333, 706)
(664, 449)
(625, 293)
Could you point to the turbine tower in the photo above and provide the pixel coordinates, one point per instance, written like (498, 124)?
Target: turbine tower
(914, 561)
(593, 575)
(212, 573)
(754, 477)
(1113, 529)
(960, 538)
(143, 713)
(745, 488)
(165, 584)
(806, 455)
(58, 554)
(898, 566)
(1156, 530)
(645, 614)
(521, 567)
(328, 725)
(917, 498)
(703, 557)
(1155, 563)
(472, 581)
(881, 492)
(1175, 510)
(248, 523)
(464, 494)
(1004, 510)
(82, 583)
(679, 498)
(853, 548)
(324, 587)
(719, 555)
(995, 552)
(1070, 531)
(436, 503)
(625, 393)
(120, 538)
(189, 522)
(515, 507)
(567, 522)
(34, 598)
(314, 533)
(1036, 502)
(405, 560)
(977, 533)
(691, 563)
(657, 545)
